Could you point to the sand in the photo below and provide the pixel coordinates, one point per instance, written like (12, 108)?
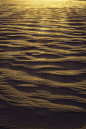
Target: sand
(42, 64)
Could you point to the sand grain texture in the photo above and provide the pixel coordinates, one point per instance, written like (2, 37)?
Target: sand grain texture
(42, 64)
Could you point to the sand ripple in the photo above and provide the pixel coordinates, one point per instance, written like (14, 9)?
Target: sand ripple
(43, 59)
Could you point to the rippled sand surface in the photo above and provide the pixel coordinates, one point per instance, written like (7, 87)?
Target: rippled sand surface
(42, 64)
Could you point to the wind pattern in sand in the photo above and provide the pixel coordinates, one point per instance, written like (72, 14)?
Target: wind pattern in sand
(43, 56)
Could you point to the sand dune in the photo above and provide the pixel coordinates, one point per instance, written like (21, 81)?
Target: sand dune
(42, 65)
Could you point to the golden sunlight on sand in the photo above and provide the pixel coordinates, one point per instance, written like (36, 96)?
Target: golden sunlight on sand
(50, 3)
(42, 64)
